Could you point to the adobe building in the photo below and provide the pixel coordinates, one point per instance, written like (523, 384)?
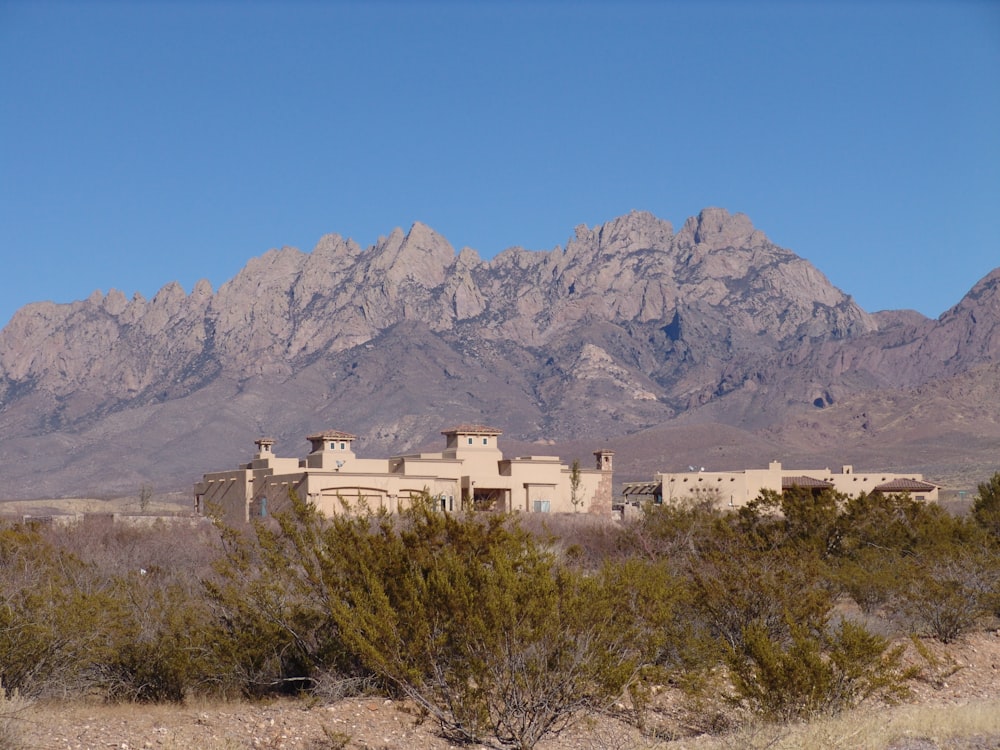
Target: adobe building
(737, 488)
(470, 473)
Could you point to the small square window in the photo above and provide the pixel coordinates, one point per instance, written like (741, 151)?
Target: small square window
(486, 441)
(343, 446)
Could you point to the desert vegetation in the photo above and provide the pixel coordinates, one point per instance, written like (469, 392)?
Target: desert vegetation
(504, 630)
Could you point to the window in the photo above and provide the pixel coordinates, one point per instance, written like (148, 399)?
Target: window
(343, 446)
(542, 506)
(470, 441)
(486, 441)
(263, 507)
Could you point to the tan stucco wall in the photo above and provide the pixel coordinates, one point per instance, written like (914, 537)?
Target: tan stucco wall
(329, 476)
(225, 492)
(737, 488)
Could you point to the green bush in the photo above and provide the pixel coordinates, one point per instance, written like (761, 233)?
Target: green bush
(672, 532)
(736, 586)
(163, 649)
(949, 590)
(873, 578)
(468, 616)
(810, 673)
(503, 636)
(986, 506)
(272, 630)
(56, 620)
(795, 518)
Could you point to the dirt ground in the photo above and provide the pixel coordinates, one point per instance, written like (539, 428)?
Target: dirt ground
(964, 674)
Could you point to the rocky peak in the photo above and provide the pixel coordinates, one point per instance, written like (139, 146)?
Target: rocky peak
(717, 229)
(202, 290)
(971, 329)
(637, 230)
(170, 295)
(421, 256)
(984, 297)
(332, 246)
(115, 303)
(468, 258)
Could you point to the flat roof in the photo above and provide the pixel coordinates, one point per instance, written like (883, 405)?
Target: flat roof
(471, 429)
(332, 435)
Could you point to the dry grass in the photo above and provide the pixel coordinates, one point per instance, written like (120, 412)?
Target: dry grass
(864, 730)
(79, 505)
(13, 708)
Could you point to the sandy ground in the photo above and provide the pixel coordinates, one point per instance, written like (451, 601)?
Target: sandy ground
(956, 706)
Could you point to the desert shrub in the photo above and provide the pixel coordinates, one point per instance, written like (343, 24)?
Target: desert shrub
(176, 552)
(673, 531)
(163, 648)
(81, 615)
(907, 555)
(155, 639)
(653, 606)
(587, 541)
(55, 618)
(949, 590)
(273, 631)
(468, 616)
(812, 673)
(986, 506)
(873, 578)
(793, 518)
(874, 521)
(736, 586)
(901, 524)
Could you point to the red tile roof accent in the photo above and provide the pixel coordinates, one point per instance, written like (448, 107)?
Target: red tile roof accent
(905, 485)
(472, 429)
(806, 483)
(642, 488)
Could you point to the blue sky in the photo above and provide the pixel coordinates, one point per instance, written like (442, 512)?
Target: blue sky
(149, 142)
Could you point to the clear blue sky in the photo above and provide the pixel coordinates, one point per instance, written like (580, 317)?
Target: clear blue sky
(147, 142)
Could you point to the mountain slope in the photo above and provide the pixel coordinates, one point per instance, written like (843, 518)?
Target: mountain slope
(630, 327)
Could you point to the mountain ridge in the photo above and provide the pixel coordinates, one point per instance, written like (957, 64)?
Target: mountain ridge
(628, 327)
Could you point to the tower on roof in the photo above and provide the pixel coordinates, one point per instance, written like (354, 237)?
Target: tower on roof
(471, 436)
(331, 440)
(605, 459)
(330, 450)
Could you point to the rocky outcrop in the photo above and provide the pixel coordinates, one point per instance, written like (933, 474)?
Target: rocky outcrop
(629, 326)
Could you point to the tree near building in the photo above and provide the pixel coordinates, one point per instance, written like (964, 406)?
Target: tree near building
(986, 507)
(574, 485)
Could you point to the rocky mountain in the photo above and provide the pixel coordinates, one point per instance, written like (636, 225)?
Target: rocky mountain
(630, 328)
